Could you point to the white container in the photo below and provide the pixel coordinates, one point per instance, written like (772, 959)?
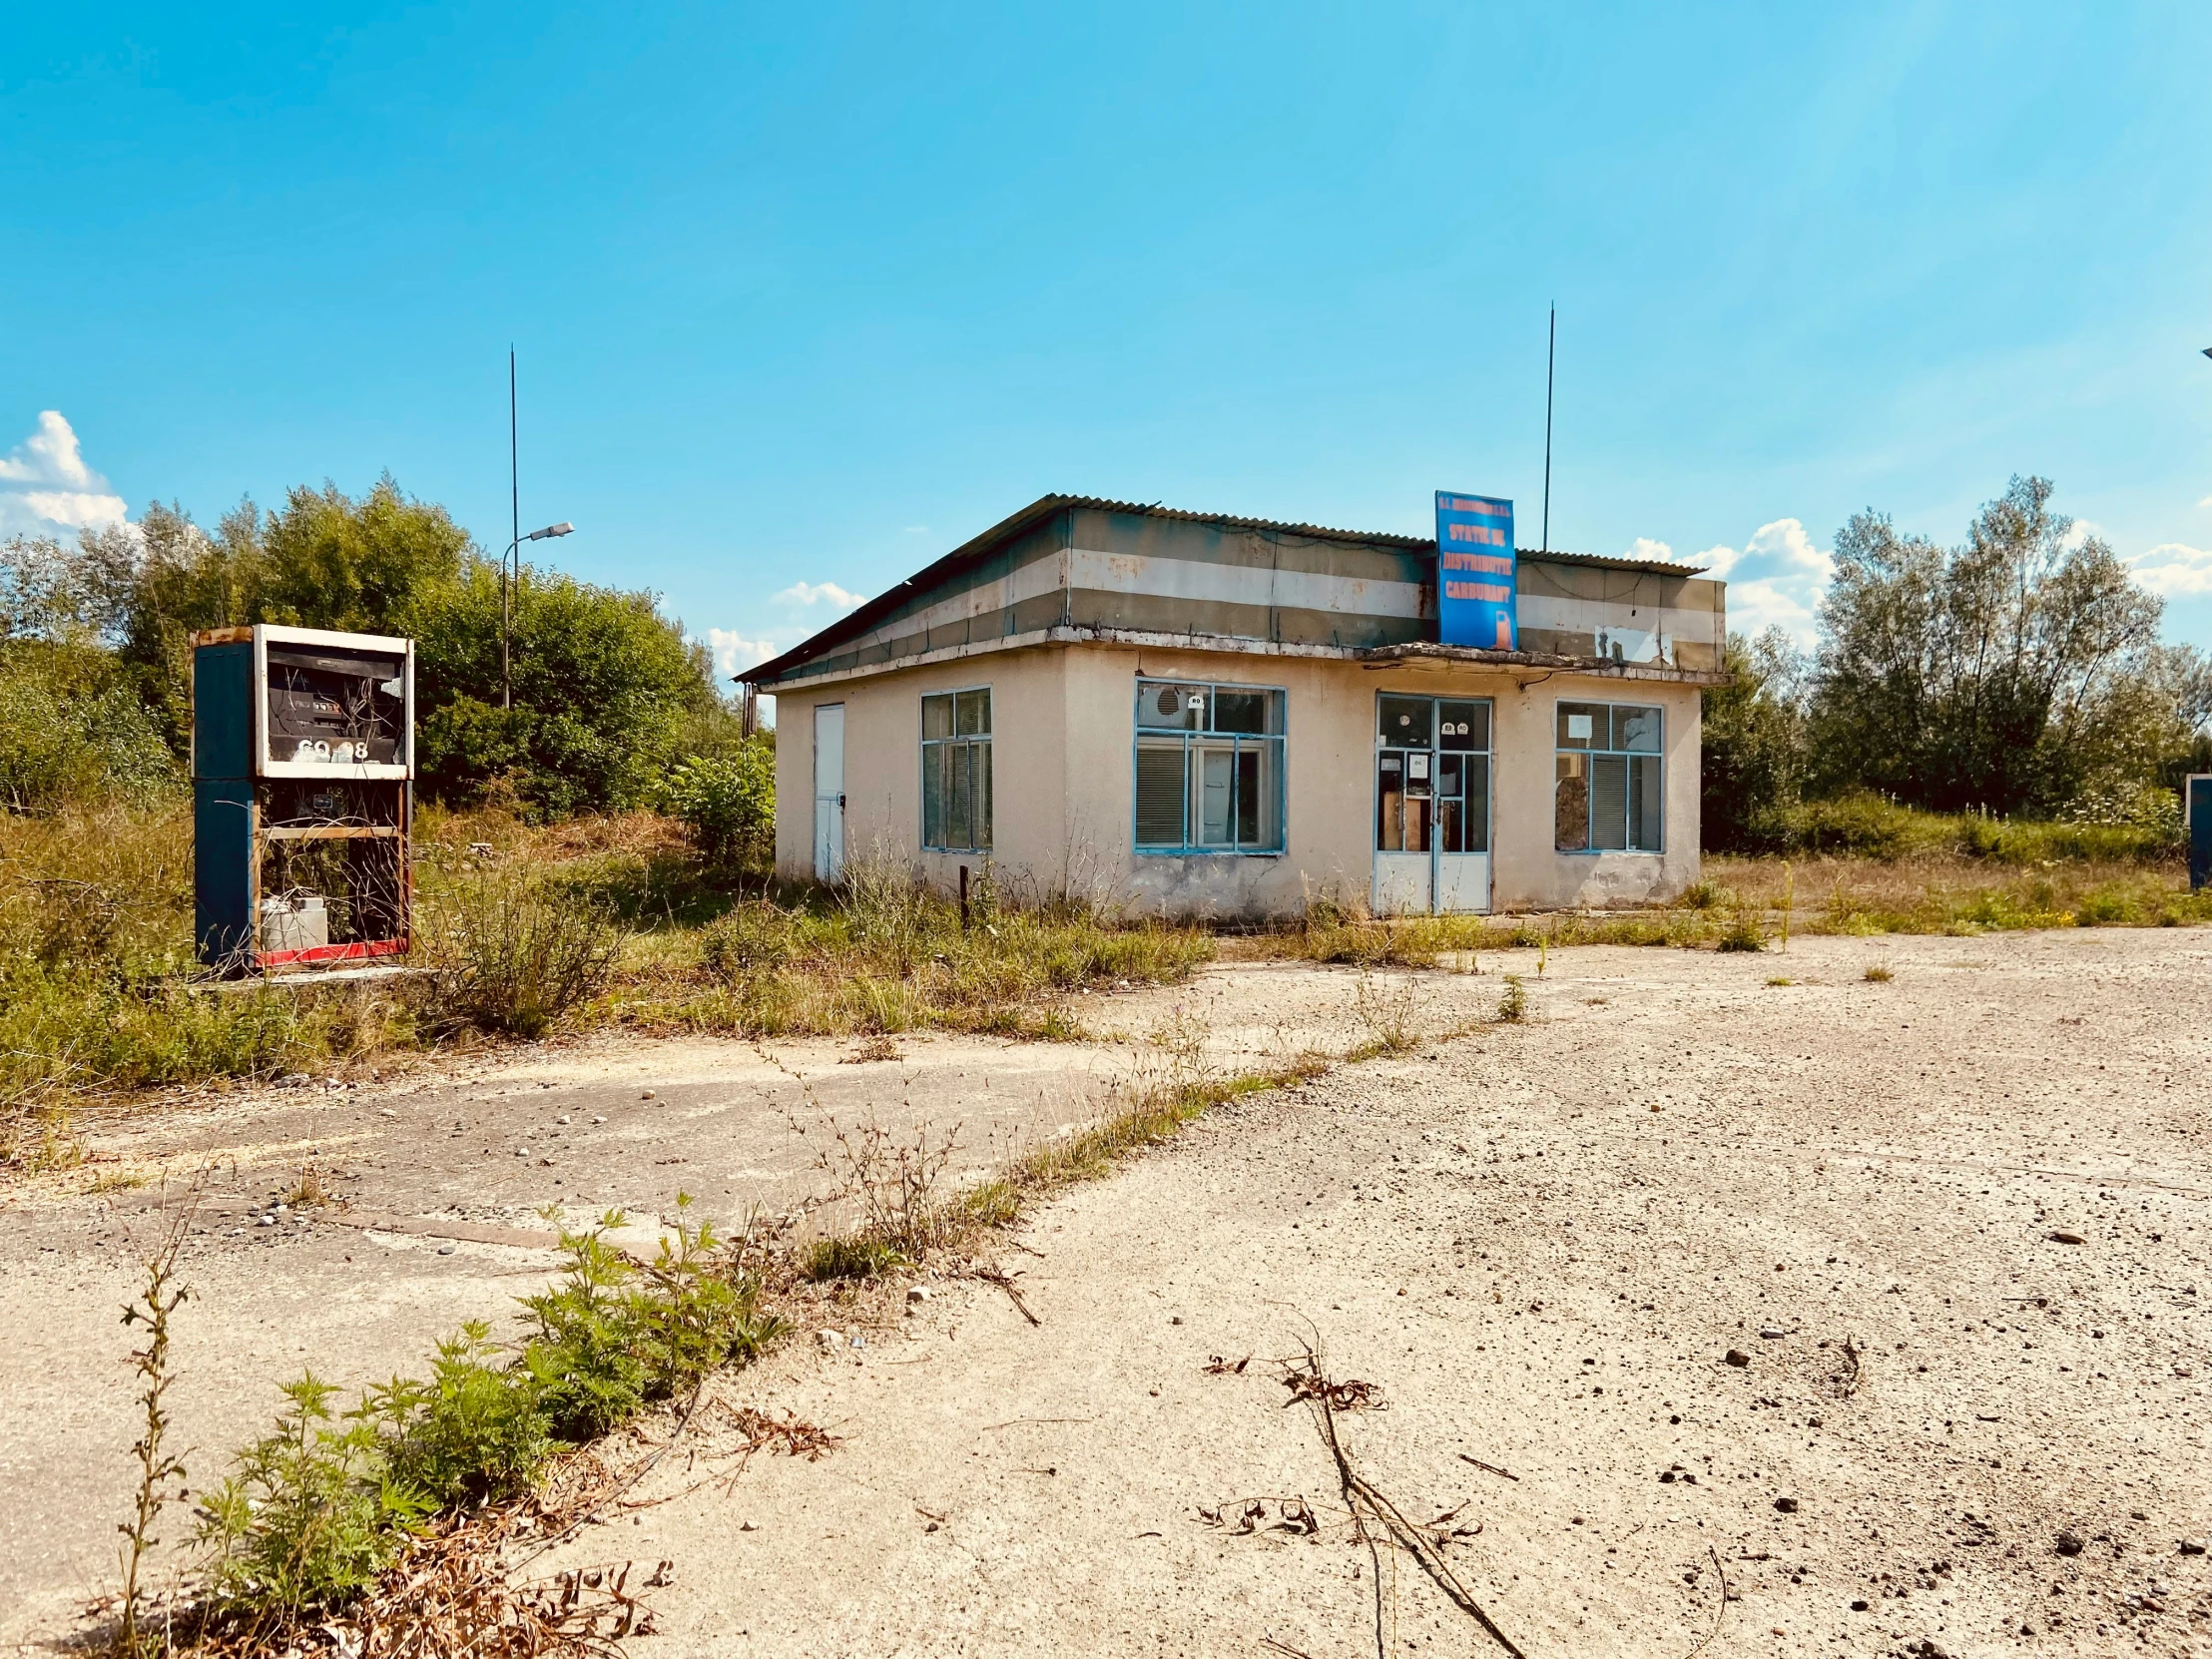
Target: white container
(289, 925)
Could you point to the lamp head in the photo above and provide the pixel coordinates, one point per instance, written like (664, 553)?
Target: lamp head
(564, 528)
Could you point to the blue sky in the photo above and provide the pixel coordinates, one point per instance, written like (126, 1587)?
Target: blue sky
(806, 295)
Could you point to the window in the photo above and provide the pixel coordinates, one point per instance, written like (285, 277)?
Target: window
(957, 772)
(1432, 775)
(1209, 768)
(1606, 796)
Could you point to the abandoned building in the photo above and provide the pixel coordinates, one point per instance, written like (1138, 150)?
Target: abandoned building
(1201, 715)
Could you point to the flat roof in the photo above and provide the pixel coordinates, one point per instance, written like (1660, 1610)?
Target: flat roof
(857, 622)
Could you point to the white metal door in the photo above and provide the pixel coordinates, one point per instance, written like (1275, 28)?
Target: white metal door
(1462, 881)
(828, 791)
(1432, 805)
(1402, 883)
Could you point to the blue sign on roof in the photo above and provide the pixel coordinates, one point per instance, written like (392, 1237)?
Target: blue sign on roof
(1475, 571)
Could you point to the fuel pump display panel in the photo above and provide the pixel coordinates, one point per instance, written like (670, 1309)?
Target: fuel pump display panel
(334, 705)
(340, 710)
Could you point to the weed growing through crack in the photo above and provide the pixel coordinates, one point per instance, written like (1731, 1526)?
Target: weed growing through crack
(314, 1512)
(1387, 1017)
(893, 1183)
(1745, 931)
(157, 1466)
(1513, 1006)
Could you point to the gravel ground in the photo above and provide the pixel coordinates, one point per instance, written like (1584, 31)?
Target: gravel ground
(1954, 1432)
(1539, 1241)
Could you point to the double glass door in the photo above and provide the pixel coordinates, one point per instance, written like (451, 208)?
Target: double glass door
(1431, 804)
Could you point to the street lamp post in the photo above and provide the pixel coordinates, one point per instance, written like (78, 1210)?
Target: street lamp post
(506, 604)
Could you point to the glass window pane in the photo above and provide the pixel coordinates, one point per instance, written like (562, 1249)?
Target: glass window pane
(1645, 803)
(936, 716)
(1240, 711)
(1478, 804)
(975, 713)
(1214, 775)
(1570, 804)
(959, 793)
(1463, 726)
(1636, 728)
(932, 792)
(1168, 707)
(1390, 800)
(1247, 797)
(1583, 725)
(1405, 720)
(1160, 795)
(1608, 802)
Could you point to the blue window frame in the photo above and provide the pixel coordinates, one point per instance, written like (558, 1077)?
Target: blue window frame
(957, 770)
(1607, 793)
(1209, 768)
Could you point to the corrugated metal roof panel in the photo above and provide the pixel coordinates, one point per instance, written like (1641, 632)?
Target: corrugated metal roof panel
(862, 620)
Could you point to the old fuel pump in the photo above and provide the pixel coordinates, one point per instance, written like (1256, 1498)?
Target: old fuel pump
(303, 768)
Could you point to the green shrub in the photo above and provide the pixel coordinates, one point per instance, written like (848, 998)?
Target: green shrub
(314, 1511)
(1746, 930)
(727, 803)
(852, 1256)
(307, 1519)
(1513, 1006)
(472, 1431)
(517, 949)
(747, 943)
(71, 731)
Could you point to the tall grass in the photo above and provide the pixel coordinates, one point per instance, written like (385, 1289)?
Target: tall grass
(595, 922)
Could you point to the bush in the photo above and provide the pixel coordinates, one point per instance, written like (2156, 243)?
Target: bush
(312, 1513)
(71, 731)
(727, 803)
(305, 1518)
(519, 949)
(749, 943)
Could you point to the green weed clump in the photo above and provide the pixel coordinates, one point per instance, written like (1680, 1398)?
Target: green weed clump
(312, 1513)
(518, 948)
(1512, 1007)
(887, 954)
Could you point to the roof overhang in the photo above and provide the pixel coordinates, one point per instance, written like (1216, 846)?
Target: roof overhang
(1434, 658)
(977, 548)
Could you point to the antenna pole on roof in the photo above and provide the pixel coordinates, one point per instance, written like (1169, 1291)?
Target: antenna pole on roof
(515, 505)
(1551, 358)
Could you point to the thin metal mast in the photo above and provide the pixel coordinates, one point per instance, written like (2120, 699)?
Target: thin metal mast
(514, 502)
(1551, 359)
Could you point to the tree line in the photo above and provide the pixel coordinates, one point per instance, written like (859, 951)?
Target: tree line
(2018, 674)
(96, 656)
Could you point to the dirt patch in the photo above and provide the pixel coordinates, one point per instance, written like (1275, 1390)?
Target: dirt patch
(1536, 1245)
(1991, 1438)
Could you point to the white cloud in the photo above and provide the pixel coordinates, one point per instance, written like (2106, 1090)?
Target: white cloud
(820, 593)
(1774, 581)
(2173, 567)
(734, 653)
(1643, 547)
(68, 495)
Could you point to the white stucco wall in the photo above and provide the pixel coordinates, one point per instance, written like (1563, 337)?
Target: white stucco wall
(1062, 778)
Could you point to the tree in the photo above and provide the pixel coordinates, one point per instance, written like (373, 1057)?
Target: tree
(1974, 675)
(607, 692)
(603, 686)
(1754, 744)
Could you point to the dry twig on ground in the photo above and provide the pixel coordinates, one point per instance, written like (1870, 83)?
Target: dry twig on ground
(1366, 1502)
